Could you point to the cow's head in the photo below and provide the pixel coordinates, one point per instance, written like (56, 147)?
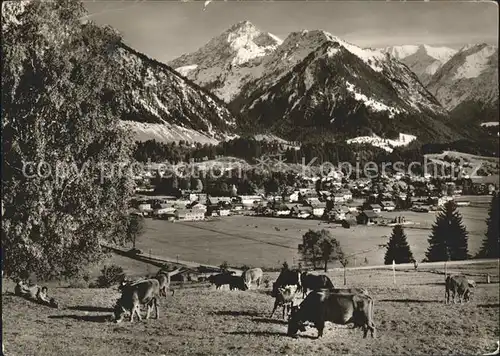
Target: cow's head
(119, 312)
(294, 322)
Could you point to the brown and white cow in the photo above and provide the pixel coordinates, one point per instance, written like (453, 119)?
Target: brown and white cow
(322, 305)
(145, 292)
(458, 286)
(284, 296)
(252, 275)
(164, 278)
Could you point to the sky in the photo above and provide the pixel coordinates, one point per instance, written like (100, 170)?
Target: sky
(165, 30)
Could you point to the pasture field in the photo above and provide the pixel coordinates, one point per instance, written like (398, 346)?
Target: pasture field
(411, 318)
(267, 242)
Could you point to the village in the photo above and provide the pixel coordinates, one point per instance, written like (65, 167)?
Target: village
(334, 198)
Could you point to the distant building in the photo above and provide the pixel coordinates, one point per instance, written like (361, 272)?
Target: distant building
(369, 217)
(376, 208)
(388, 205)
(190, 214)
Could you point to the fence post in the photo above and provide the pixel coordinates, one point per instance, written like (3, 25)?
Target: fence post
(394, 271)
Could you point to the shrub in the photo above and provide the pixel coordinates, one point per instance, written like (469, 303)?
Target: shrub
(110, 275)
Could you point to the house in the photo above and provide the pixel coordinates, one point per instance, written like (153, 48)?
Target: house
(313, 201)
(442, 200)
(293, 197)
(318, 209)
(347, 194)
(375, 208)
(198, 206)
(219, 200)
(339, 197)
(388, 205)
(190, 214)
(281, 210)
(248, 201)
(302, 212)
(145, 208)
(338, 213)
(369, 217)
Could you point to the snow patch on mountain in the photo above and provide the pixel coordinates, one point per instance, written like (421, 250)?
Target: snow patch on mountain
(165, 132)
(370, 103)
(489, 123)
(385, 144)
(184, 70)
(475, 63)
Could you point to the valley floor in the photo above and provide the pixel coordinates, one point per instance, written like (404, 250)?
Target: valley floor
(411, 318)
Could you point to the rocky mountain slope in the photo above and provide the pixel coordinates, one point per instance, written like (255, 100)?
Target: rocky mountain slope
(423, 60)
(161, 104)
(313, 81)
(471, 75)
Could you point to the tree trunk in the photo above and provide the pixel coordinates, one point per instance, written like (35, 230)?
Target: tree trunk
(326, 265)
(133, 241)
(345, 282)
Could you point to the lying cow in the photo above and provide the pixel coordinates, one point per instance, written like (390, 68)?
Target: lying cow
(146, 292)
(321, 306)
(284, 296)
(252, 275)
(315, 282)
(458, 285)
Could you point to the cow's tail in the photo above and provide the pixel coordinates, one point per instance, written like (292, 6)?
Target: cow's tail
(299, 281)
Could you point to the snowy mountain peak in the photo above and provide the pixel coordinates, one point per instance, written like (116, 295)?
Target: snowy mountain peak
(441, 54)
(471, 75)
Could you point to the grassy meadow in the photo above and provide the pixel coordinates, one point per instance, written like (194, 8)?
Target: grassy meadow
(411, 318)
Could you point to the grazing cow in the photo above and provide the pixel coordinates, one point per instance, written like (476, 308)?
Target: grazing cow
(252, 275)
(237, 282)
(458, 285)
(220, 279)
(314, 282)
(134, 295)
(321, 306)
(284, 297)
(164, 278)
(288, 277)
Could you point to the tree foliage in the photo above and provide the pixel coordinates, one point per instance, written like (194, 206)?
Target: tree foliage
(135, 228)
(448, 240)
(320, 247)
(491, 242)
(57, 76)
(398, 249)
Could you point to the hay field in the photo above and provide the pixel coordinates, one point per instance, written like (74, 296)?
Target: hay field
(410, 316)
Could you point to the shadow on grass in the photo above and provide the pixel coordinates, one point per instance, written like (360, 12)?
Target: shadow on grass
(270, 321)
(236, 313)
(257, 333)
(493, 305)
(91, 308)
(409, 301)
(92, 318)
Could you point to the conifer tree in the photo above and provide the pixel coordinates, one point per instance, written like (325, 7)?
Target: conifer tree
(398, 248)
(448, 240)
(490, 248)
